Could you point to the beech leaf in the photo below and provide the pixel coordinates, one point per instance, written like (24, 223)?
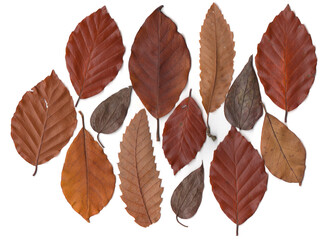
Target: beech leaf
(140, 182)
(243, 104)
(88, 181)
(44, 121)
(286, 61)
(187, 197)
(159, 65)
(216, 61)
(109, 115)
(184, 134)
(284, 154)
(238, 177)
(94, 53)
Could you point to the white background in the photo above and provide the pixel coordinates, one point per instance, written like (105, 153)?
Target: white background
(32, 43)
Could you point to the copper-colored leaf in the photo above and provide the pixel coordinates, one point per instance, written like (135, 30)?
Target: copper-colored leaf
(44, 121)
(159, 64)
(109, 115)
(216, 60)
(94, 53)
(243, 104)
(283, 152)
(184, 134)
(140, 182)
(187, 197)
(88, 181)
(286, 61)
(238, 177)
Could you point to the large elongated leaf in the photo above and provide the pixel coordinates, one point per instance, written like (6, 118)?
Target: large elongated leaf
(243, 104)
(216, 61)
(44, 121)
(140, 182)
(238, 177)
(88, 181)
(159, 64)
(286, 61)
(284, 154)
(184, 134)
(94, 53)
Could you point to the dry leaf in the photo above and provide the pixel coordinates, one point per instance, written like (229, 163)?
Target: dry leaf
(184, 134)
(238, 177)
(283, 152)
(243, 104)
(187, 197)
(140, 182)
(159, 65)
(109, 115)
(216, 61)
(94, 54)
(286, 61)
(88, 181)
(44, 121)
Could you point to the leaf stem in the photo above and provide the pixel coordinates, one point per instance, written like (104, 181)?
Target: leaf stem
(158, 130)
(36, 169)
(286, 116)
(99, 141)
(76, 104)
(237, 230)
(213, 137)
(180, 222)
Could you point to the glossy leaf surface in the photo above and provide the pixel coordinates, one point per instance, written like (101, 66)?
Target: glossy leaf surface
(184, 134)
(286, 61)
(187, 197)
(88, 181)
(238, 177)
(159, 64)
(284, 154)
(216, 60)
(243, 104)
(94, 53)
(44, 121)
(140, 182)
(109, 115)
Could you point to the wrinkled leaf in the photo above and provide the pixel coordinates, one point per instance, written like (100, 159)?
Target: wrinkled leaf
(159, 65)
(110, 114)
(216, 61)
(243, 104)
(44, 121)
(184, 134)
(286, 61)
(140, 182)
(94, 53)
(187, 197)
(238, 177)
(284, 154)
(88, 181)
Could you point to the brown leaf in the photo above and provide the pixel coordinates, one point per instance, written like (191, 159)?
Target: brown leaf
(44, 121)
(184, 134)
(243, 103)
(283, 152)
(216, 61)
(159, 64)
(286, 61)
(88, 181)
(140, 182)
(238, 177)
(187, 197)
(94, 53)
(109, 115)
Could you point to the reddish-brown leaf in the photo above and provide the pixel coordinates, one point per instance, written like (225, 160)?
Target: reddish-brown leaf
(44, 121)
(159, 64)
(184, 134)
(238, 177)
(88, 181)
(94, 53)
(286, 61)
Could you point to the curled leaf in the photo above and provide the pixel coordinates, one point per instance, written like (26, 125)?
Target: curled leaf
(44, 121)
(243, 104)
(109, 115)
